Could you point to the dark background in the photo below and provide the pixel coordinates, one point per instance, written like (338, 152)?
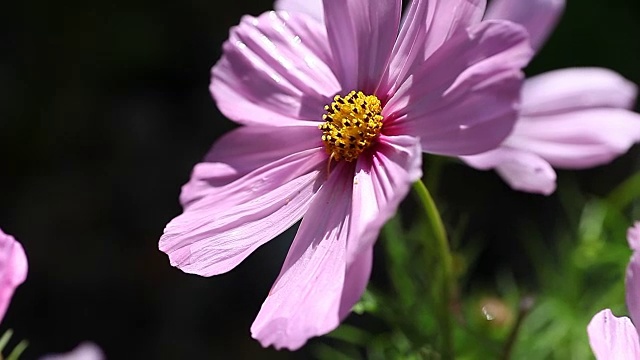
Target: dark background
(104, 109)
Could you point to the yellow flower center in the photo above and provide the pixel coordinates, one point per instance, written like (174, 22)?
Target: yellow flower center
(351, 125)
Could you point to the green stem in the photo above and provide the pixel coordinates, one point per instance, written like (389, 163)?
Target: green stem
(446, 263)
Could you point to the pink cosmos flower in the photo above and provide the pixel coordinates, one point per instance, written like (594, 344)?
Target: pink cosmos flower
(570, 119)
(336, 114)
(13, 269)
(614, 338)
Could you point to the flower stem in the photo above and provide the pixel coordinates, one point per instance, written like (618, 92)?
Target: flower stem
(443, 253)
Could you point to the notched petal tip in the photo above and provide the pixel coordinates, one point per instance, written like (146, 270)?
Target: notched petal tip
(611, 337)
(539, 180)
(521, 170)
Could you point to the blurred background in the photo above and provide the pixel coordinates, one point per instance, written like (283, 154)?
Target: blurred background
(104, 109)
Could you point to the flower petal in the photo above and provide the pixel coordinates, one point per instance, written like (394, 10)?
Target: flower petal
(566, 90)
(329, 263)
(13, 269)
(522, 170)
(450, 17)
(464, 99)
(242, 151)
(419, 39)
(612, 337)
(312, 8)
(305, 300)
(274, 71)
(578, 139)
(538, 16)
(633, 236)
(361, 35)
(356, 280)
(221, 229)
(408, 50)
(632, 283)
(85, 351)
(381, 182)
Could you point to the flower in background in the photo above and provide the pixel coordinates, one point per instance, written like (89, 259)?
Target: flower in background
(617, 338)
(85, 351)
(336, 115)
(13, 269)
(570, 119)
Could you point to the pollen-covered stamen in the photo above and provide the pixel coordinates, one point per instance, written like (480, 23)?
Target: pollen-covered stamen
(351, 125)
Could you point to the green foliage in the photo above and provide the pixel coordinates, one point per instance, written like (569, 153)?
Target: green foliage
(17, 350)
(578, 269)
